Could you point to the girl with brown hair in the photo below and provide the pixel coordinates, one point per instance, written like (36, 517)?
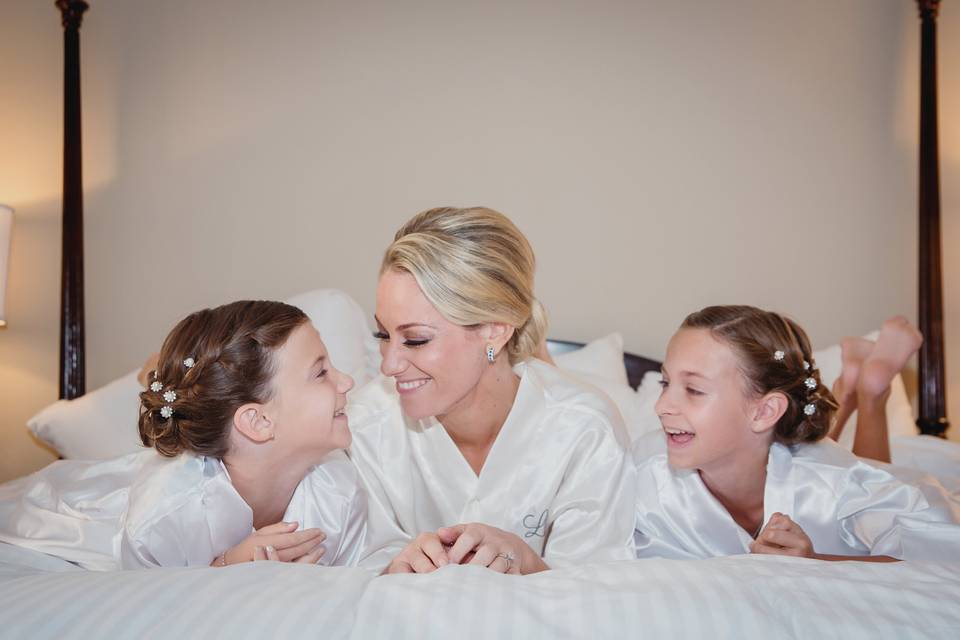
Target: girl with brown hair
(748, 467)
(244, 419)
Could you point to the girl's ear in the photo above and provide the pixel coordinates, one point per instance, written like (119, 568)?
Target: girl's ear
(768, 410)
(250, 421)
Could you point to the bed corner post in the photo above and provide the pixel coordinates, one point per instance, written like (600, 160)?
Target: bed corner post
(933, 413)
(72, 339)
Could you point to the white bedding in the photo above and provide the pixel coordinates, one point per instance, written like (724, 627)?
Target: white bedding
(732, 597)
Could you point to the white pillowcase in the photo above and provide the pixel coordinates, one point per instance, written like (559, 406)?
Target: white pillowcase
(343, 327)
(647, 395)
(601, 358)
(103, 423)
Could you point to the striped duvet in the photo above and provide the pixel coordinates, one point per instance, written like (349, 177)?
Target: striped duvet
(734, 597)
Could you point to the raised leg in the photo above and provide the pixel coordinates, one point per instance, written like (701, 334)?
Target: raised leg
(898, 341)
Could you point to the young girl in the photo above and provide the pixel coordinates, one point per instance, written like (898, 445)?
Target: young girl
(243, 415)
(747, 468)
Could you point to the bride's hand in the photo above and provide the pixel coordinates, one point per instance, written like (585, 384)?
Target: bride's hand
(491, 547)
(423, 555)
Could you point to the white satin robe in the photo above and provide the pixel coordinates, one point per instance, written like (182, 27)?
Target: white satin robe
(844, 505)
(147, 510)
(559, 474)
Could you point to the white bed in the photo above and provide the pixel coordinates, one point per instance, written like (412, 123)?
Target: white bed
(733, 597)
(744, 596)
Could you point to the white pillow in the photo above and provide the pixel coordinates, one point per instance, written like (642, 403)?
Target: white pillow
(103, 423)
(646, 414)
(602, 358)
(343, 327)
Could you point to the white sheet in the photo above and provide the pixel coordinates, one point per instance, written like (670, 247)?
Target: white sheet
(731, 597)
(253, 600)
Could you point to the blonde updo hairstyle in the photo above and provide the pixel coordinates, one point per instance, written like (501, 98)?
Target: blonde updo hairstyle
(755, 336)
(231, 352)
(475, 267)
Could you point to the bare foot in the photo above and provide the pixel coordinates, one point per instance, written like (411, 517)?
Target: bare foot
(897, 342)
(148, 367)
(853, 351)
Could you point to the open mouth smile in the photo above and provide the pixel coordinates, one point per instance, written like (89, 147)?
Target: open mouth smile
(678, 437)
(409, 386)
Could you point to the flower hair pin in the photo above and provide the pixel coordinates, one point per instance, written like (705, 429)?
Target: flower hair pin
(168, 396)
(189, 362)
(779, 355)
(809, 409)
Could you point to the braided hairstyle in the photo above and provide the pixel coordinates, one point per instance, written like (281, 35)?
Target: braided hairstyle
(774, 355)
(213, 362)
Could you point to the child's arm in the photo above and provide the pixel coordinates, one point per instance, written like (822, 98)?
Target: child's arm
(783, 536)
(280, 541)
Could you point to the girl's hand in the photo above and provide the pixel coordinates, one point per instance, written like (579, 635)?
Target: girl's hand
(488, 546)
(423, 555)
(280, 541)
(783, 536)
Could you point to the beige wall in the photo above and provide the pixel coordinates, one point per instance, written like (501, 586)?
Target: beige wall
(661, 156)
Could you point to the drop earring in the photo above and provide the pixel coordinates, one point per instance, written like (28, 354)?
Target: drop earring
(491, 354)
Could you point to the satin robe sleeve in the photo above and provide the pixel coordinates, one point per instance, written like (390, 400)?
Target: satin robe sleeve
(594, 505)
(353, 541)
(182, 513)
(331, 499)
(178, 538)
(889, 517)
(658, 533)
(384, 537)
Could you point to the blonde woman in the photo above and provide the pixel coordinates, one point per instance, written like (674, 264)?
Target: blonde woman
(472, 450)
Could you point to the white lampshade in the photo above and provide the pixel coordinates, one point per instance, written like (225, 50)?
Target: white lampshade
(6, 229)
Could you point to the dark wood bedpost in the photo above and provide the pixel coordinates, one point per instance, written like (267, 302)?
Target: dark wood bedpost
(933, 411)
(72, 341)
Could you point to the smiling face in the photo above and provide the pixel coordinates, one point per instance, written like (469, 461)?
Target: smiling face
(309, 396)
(437, 364)
(709, 418)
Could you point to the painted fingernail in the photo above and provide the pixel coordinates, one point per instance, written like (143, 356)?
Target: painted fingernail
(270, 549)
